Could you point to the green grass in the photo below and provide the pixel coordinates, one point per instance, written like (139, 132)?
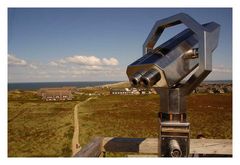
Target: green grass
(38, 128)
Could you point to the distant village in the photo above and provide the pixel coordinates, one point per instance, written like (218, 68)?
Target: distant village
(202, 88)
(57, 94)
(213, 88)
(67, 93)
(132, 91)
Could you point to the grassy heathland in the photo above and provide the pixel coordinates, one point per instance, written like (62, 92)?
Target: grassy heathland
(38, 128)
(136, 116)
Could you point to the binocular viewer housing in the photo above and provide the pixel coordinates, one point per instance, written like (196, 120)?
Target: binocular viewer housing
(188, 56)
(169, 63)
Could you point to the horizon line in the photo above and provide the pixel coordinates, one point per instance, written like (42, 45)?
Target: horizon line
(95, 81)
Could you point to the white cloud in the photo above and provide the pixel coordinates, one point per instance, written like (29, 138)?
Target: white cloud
(222, 69)
(91, 70)
(53, 63)
(94, 68)
(63, 71)
(58, 63)
(12, 60)
(62, 61)
(15, 61)
(33, 66)
(86, 60)
(71, 68)
(110, 61)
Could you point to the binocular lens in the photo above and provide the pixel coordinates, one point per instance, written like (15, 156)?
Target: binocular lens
(135, 79)
(146, 79)
(150, 78)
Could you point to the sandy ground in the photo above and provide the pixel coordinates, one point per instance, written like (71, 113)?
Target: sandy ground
(75, 140)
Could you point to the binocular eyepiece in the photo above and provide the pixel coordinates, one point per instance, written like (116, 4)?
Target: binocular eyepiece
(145, 78)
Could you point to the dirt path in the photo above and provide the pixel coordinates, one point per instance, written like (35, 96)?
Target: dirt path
(75, 140)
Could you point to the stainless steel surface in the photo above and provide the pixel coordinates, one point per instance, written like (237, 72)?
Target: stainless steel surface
(174, 124)
(150, 78)
(175, 150)
(177, 58)
(172, 101)
(189, 53)
(168, 58)
(174, 140)
(135, 79)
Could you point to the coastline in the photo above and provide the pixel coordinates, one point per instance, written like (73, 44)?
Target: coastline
(84, 85)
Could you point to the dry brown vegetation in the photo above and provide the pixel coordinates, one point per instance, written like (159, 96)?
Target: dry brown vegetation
(39, 128)
(136, 116)
(211, 115)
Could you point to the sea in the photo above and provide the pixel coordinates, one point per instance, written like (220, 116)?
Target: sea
(218, 81)
(38, 85)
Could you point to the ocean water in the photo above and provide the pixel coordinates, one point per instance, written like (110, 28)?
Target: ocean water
(218, 81)
(38, 85)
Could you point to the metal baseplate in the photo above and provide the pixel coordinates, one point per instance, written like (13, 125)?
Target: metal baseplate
(174, 139)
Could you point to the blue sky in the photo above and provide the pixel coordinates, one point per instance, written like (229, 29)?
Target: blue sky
(87, 44)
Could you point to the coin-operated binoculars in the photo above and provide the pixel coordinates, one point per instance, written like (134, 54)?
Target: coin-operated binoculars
(188, 54)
